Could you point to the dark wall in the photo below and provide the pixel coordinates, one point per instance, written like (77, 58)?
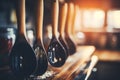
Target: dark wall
(7, 5)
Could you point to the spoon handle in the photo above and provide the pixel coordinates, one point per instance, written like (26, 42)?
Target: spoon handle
(55, 17)
(63, 14)
(69, 18)
(76, 8)
(39, 19)
(20, 12)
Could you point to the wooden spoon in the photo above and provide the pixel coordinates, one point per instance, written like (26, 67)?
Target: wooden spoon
(76, 8)
(22, 57)
(62, 20)
(56, 52)
(68, 37)
(38, 46)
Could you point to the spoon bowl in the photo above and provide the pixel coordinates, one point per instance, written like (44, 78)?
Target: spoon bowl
(64, 44)
(42, 62)
(22, 58)
(71, 44)
(68, 36)
(62, 20)
(56, 52)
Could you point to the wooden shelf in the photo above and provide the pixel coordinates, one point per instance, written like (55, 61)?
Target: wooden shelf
(74, 63)
(108, 55)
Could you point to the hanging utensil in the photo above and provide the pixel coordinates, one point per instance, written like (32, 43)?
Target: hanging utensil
(70, 43)
(56, 52)
(22, 57)
(76, 8)
(62, 20)
(38, 46)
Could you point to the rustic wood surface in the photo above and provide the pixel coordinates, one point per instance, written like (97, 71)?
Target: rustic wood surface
(74, 63)
(108, 55)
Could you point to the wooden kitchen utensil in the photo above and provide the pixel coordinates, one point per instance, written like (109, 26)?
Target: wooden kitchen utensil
(41, 55)
(56, 52)
(22, 56)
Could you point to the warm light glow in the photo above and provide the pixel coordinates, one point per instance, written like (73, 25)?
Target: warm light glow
(80, 35)
(13, 17)
(30, 34)
(77, 19)
(98, 18)
(87, 18)
(49, 30)
(93, 18)
(61, 1)
(114, 19)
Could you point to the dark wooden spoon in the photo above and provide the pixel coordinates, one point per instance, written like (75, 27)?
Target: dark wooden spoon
(22, 57)
(68, 36)
(56, 52)
(38, 46)
(62, 20)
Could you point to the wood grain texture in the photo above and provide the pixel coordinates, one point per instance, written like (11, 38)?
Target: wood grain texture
(73, 63)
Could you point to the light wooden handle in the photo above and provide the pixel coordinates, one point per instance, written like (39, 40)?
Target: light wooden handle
(69, 18)
(76, 8)
(55, 17)
(20, 11)
(39, 19)
(63, 16)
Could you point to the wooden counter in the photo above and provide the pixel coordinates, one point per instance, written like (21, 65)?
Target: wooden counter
(108, 55)
(74, 63)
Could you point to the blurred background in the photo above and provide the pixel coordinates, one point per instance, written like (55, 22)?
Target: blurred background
(96, 22)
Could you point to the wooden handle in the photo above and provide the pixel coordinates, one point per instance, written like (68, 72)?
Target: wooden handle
(63, 16)
(20, 11)
(76, 8)
(69, 18)
(55, 17)
(39, 19)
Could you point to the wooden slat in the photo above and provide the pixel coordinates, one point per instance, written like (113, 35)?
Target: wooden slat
(86, 68)
(94, 60)
(73, 63)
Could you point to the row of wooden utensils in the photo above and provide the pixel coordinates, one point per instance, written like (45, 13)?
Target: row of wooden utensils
(26, 60)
